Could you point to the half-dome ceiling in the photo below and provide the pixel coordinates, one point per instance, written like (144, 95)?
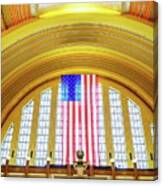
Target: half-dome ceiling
(49, 53)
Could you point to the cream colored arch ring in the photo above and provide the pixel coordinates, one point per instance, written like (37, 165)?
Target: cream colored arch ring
(96, 53)
(97, 35)
(105, 62)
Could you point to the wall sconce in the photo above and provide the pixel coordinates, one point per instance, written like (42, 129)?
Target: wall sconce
(27, 165)
(135, 168)
(48, 166)
(112, 161)
(6, 166)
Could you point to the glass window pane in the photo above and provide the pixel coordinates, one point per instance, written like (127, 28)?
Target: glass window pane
(24, 133)
(138, 138)
(118, 134)
(6, 143)
(43, 128)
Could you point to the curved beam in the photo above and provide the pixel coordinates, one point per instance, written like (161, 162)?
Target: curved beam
(63, 17)
(78, 59)
(85, 34)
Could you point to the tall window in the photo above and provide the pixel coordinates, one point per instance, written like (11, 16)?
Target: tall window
(43, 128)
(138, 137)
(118, 134)
(6, 143)
(24, 133)
(101, 128)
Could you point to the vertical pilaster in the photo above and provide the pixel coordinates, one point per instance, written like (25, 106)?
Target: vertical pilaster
(33, 137)
(148, 138)
(127, 130)
(15, 137)
(107, 123)
(51, 145)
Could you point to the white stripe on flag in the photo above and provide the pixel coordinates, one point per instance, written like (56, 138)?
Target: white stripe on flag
(70, 132)
(64, 131)
(76, 127)
(83, 116)
(95, 120)
(89, 133)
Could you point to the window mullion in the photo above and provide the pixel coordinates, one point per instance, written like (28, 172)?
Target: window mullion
(128, 134)
(53, 122)
(14, 142)
(148, 138)
(32, 145)
(107, 123)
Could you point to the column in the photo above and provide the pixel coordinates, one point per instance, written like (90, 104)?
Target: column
(128, 134)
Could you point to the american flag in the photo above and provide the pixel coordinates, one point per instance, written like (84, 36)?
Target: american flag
(79, 109)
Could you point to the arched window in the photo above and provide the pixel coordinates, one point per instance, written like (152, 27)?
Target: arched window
(119, 141)
(24, 133)
(138, 136)
(6, 143)
(43, 128)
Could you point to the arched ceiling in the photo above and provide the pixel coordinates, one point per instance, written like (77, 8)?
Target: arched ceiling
(109, 44)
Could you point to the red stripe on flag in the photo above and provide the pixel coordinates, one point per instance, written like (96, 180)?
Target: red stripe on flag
(83, 117)
(86, 117)
(98, 98)
(73, 130)
(67, 141)
(92, 113)
(80, 127)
